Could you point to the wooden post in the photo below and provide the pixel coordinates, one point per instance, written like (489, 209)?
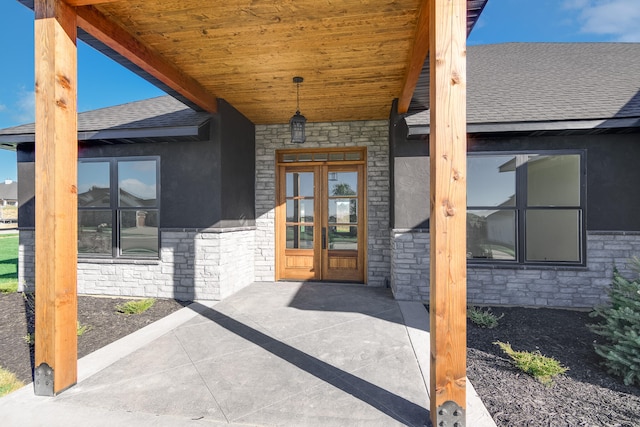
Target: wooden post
(447, 142)
(56, 197)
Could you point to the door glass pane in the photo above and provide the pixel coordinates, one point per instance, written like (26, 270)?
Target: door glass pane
(553, 235)
(94, 185)
(336, 156)
(553, 180)
(343, 211)
(491, 181)
(300, 210)
(95, 229)
(343, 183)
(137, 183)
(491, 234)
(306, 157)
(352, 156)
(299, 237)
(299, 184)
(139, 233)
(344, 237)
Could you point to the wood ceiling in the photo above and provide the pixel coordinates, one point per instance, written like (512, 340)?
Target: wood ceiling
(355, 56)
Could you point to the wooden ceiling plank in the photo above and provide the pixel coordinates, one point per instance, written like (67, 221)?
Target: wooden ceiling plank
(115, 37)
(416, 58)
(77, 3)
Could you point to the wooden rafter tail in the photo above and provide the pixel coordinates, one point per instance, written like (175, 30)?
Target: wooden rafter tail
(121, 41)
(417, 57)
(447, 146)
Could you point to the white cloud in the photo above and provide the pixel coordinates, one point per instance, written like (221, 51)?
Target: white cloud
(138, 188)
(618, 19)
(3, 107)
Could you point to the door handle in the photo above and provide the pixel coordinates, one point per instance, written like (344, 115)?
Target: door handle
(324, 238)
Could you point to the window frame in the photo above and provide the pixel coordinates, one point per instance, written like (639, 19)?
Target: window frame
(116, 209)
(521, 208)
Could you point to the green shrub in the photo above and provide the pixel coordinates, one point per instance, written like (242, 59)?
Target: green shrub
(483, 318)
(540, 367)
(136, 306)
(620, 327)
(81, 329)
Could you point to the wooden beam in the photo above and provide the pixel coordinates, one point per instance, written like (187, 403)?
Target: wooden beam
(117, 38)
(76, 3)
(447, 148)
(56, 197)
(417, 57)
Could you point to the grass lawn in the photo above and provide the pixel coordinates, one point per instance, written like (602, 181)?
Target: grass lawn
(8, 262)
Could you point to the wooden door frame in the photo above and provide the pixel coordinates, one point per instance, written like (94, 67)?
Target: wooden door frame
(280, 209)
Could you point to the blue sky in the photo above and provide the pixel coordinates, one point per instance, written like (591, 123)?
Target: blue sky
(101, 82)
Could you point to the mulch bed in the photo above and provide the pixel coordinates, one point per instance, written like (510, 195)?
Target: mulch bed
(585, 396)
(106, 325)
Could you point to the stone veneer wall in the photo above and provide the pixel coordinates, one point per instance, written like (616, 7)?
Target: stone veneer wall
(371, 134)
(206, 264)
(530, 286)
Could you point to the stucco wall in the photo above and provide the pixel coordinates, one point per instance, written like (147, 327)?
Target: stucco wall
(370, 134)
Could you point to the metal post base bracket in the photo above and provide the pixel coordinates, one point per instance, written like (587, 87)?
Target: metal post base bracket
(449, 414)
(43, 380)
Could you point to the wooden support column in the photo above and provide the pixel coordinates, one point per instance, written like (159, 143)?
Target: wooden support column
(447, 142)
(56, 197)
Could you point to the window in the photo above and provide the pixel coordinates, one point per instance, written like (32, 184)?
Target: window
(526, 208)
(118, 207)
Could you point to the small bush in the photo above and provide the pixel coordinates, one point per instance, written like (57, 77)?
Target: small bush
(540, 367)
(135, 307)
(30, 338)
(8, 382)
(81, 329)
(483, 318)
(620, 326)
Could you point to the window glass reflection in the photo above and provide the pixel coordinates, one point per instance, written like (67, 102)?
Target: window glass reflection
(299, 210)
(553, 235)
(553, 180)
(491, 181)
(137, 183)
(299, 184)
(94, 185)
(343, 237)
(299, 237)
(491, 234)
(343, 183)
(95, 228)
(343, 211)
(139, 233)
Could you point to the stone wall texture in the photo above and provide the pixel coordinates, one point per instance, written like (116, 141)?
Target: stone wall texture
(371, 134)
(580, 287)
(193, 264)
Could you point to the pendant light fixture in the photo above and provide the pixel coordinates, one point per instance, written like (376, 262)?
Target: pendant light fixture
(298, 121)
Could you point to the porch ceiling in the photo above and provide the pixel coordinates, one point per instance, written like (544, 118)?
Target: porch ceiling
(356, 56)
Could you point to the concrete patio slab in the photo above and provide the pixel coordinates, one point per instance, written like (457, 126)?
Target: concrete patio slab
(273, 354)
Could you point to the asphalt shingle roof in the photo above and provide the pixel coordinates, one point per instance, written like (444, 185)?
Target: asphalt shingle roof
(161, 112)
(9, 191)
(532, 82)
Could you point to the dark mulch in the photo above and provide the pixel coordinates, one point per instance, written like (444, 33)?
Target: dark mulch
(99, 313)
(585, 396)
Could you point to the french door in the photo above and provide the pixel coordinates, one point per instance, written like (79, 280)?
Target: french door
(320, 216)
